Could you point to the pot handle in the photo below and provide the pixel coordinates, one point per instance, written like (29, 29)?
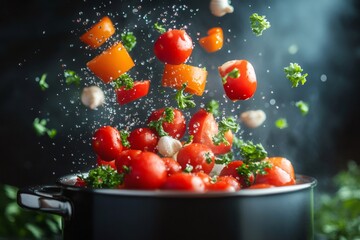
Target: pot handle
(48, 199)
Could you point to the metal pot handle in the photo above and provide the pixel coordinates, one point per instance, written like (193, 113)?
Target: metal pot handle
(48, 199)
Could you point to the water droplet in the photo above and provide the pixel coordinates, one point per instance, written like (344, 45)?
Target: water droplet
(323, 78)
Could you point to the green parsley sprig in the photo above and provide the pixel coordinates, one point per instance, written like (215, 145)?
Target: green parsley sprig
(235, 73)
(251, 152)
(159, 28)
(124, 81)
(103, 177)
(258, 24)
(41, 129)
(128, 40)
(124, 135)
(253, 168)
(303, 107)
(281, 123)
(294, 74)
(42, 82)
(213, 107)
(168, 116)
(184, 100)
(71, 77)
(188, 168)
(225, 158)
(225, 125)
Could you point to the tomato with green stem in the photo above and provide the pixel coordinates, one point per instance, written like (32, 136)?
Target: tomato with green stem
(231, 170)
(122, 162)
(106, 143)
(280, 174)
(239, 79)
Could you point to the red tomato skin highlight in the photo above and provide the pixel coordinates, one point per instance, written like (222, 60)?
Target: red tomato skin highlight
(106, 143)
(203, 127)
(177, 128)
(194, 154)
(173, 47)
(147, 171)
(139, 90)
(172, 166)
(144, 139)
(101, 162)
(184, 182)
(243, 87)
(125, 158)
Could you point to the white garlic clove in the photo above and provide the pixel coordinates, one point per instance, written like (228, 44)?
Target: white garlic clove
(92, 97)
(168, 146)
(217, 169)
(220, 7)
(253, 118)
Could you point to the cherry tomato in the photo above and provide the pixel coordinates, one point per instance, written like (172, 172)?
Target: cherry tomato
(146, 171)
(230, 170)
(239, 79)
(106, 143)
(80, 182)
(176, 128)
(260, 186)
(101, 162)
(225, 183)
(172, 166)
(185, 182)
(198, 155)
(173, 47)
(204, 177)
(139, 90)
(203, 127)
(280, 174)
(124, 159)
(144, 139)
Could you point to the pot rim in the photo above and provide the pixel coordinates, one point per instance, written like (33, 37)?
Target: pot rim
(302, 182)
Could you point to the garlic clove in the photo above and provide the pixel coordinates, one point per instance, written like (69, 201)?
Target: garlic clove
(168, 146)
(220, 7)
(253, 118)
(92, 97)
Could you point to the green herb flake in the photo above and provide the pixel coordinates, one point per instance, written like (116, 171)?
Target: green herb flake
(251, 152)
(235, 73)
(41, 129)
(103, 177)
(188, 168)
(258, 24)
(128, 40)
(225, 158)
(124, 81)
(303, 107)
(168, 116)
(42, 82)
(190, 139)
(124, 135)
(184, 100)
(247, 169)
(281, 123)
(159, 28)
(71, 77)
(225, 125)
(213, 107)
(208, 158)
(294, 74)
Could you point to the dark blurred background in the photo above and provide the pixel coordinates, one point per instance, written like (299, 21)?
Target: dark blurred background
(42, 37)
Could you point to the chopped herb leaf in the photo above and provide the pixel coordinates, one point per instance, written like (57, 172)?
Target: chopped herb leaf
(41, 129)
(281, 123)
(188, 168)
(126, 169)
(42, 82)
(103, 177)
(235, 73)
(253, 168)
(159, 28)
(225, 125)
(251, 152)
(213, 107)
(208, 158)
(258, 24)
(294, 74)
(184, 100)
(225, 158)
(129, 40)
(303, 107)
(124, 81)
(124, 138)
(71, 77)
(168, 116)
(190, 139)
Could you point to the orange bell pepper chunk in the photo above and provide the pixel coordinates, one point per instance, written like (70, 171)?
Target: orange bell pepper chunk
(176, 75)
(99, 33)
(214, 41)
(111, 63)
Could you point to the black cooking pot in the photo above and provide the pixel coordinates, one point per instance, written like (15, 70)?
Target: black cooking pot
(281, 213)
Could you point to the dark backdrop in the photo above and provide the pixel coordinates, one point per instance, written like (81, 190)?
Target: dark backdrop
(42, 37)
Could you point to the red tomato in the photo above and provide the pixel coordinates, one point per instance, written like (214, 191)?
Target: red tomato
(203, 127)
(260, 186)
(225, 183)
(230, 170)
(176, 128)
(106, 143)
(185, 182)
(144, 139)
(139, 90)
(124, 159)
(80, 183)
(242, 86)
(173, 47)
(281, 173)
(172, 166)
(101, 162)
(204, 177)
(198, 155)
(147, 171)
